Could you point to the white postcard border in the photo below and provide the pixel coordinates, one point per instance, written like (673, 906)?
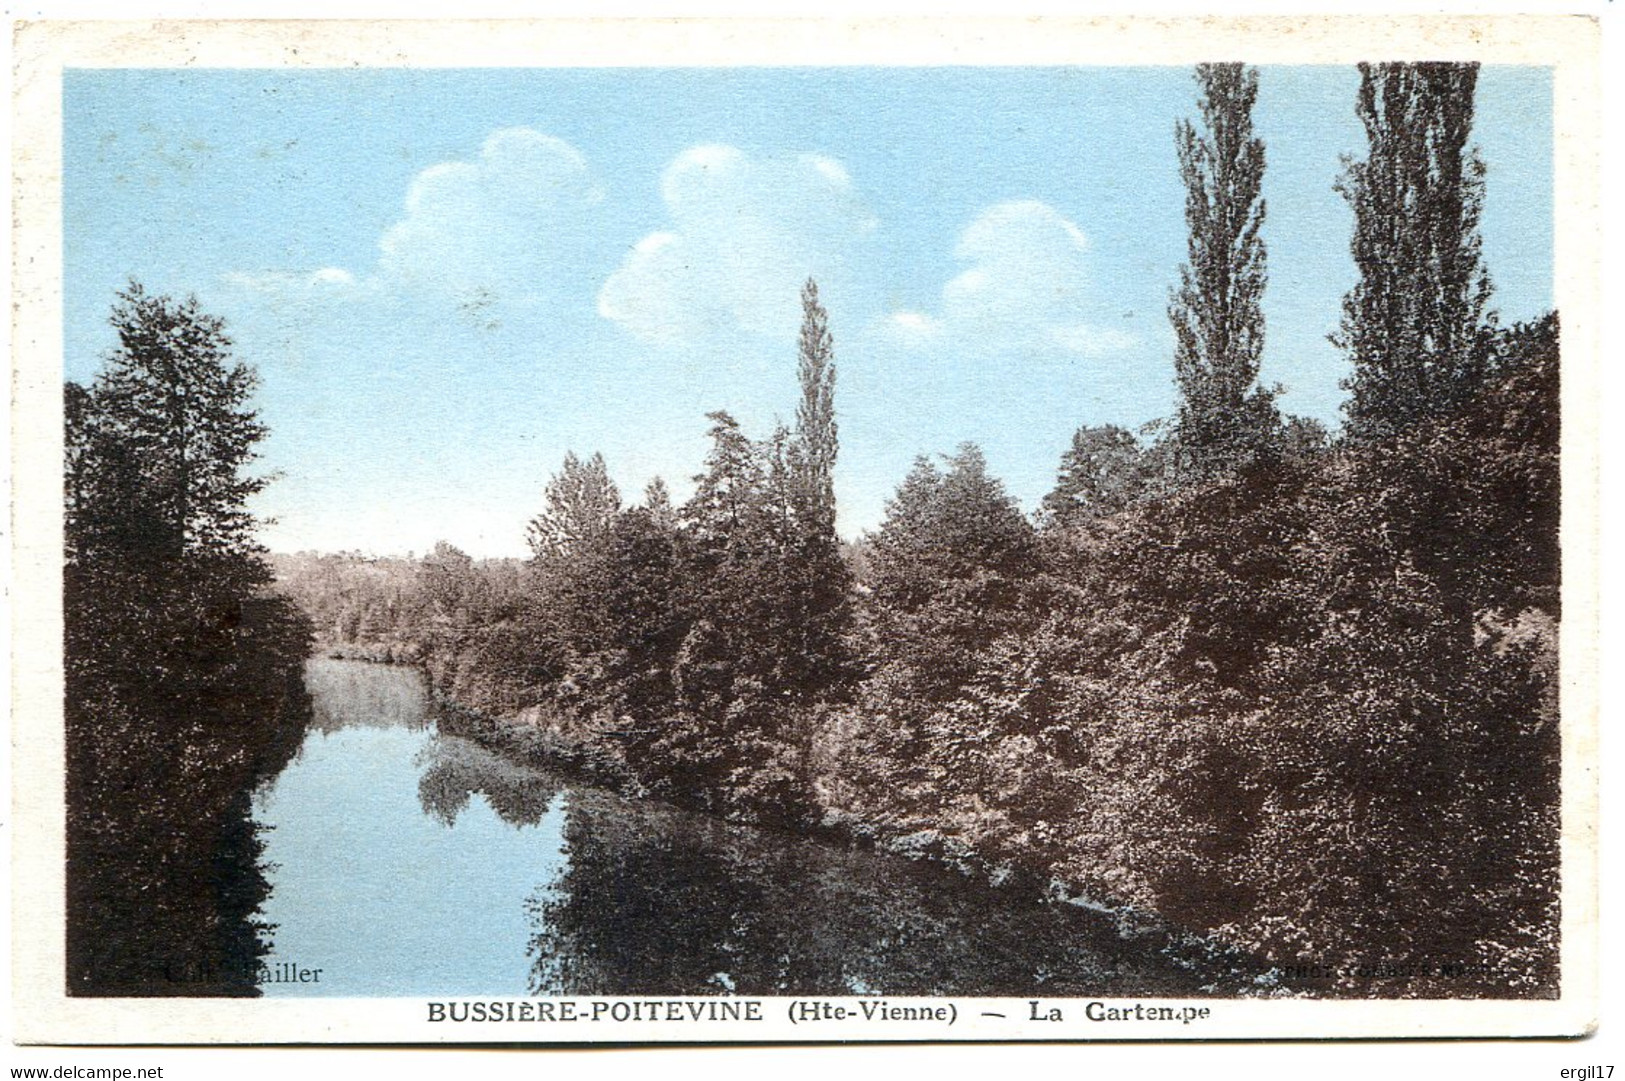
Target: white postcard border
(43, 1013)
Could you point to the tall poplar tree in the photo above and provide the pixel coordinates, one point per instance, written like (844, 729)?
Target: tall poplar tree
(1224, 417)
(816, 431)
(816, 576)
(1416, 326)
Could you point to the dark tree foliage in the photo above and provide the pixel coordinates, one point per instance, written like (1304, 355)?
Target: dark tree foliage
(1303, 437)
(642, 596)
(950, 571)
(164, 438)
(1520, 499)
(1415, 325)
(183, 676)
(1300, 708)
(724, 501)
(657, 501)
(1103, 472)
(581, 503)
(571, 541)
(952, 525)
(758, 628)
(1476, 504)
(1225, 419)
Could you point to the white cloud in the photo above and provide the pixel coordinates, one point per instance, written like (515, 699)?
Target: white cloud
(332, 275)
(495, 225)
(912, 328)
(496, 228)
(745, 233)
(1026, 287)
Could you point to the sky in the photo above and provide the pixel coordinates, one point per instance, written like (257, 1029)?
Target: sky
(447, 280)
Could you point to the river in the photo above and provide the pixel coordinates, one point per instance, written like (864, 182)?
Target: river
(405, 861)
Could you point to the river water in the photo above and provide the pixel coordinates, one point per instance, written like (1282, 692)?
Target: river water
(404, 861)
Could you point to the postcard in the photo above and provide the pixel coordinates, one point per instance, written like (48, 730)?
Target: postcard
(747, 531)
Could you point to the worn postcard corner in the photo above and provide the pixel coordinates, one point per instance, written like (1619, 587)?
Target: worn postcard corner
(791, 531)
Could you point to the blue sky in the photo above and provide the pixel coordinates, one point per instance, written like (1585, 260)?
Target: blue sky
(448, 279)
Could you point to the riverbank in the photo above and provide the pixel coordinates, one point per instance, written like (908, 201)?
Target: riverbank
(405, 656)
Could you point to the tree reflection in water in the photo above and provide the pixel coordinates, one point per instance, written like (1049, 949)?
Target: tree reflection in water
(454, 769)
(352, 694)
(655, 900)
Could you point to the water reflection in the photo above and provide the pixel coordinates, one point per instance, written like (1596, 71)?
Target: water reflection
(407, 862)
(351, 694)
(166, 874)
(657, 900)
(454, 770)
(643, 907)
